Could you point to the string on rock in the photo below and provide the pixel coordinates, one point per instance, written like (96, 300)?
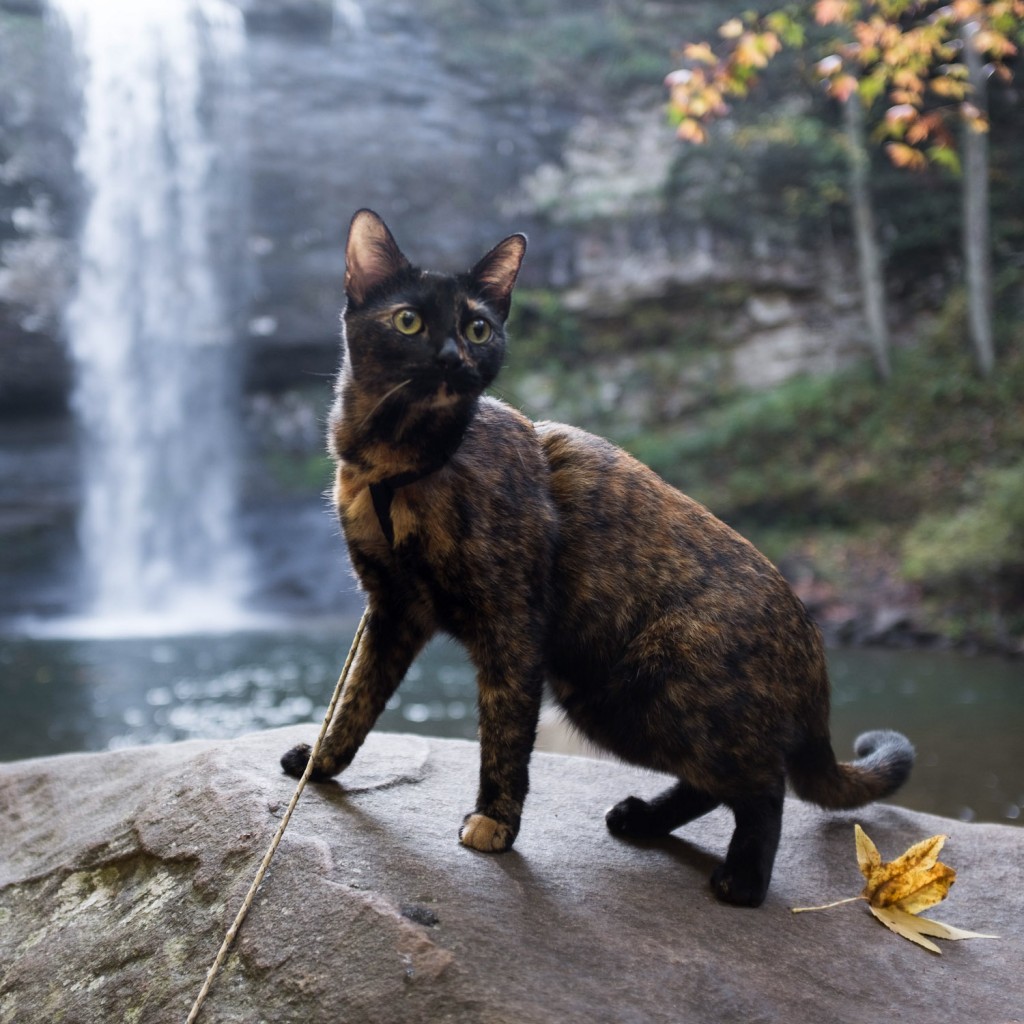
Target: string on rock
(257, 881)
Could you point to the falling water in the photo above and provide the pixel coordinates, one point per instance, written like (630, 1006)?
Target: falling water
(150, 325)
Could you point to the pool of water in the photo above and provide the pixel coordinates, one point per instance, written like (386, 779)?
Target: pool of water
(965, 715)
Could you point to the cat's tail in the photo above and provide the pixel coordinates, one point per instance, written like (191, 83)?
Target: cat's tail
(884, 760)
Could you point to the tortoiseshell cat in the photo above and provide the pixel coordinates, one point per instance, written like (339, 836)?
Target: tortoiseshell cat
(552, 554)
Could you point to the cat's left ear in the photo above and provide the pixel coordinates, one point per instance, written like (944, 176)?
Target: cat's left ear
(495, 275)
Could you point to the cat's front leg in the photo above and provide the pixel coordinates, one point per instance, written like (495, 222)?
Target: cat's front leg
(509, 709)
(388, 646)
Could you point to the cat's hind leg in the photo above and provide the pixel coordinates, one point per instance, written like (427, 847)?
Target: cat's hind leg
(647, 819)
(744, 876)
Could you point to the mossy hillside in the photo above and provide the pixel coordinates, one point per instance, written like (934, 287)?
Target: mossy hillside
(536, 46)
(623, 373)
(921, 478)
(971, 558)
(927, 470)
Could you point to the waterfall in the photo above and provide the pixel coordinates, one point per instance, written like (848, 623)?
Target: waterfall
(150, 326)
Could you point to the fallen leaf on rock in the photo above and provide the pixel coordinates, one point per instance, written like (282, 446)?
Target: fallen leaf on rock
(898, 890)
(916, 928)
(912, 882)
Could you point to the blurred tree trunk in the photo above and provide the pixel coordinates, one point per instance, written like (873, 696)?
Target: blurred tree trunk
(869, 257)
(976, 238)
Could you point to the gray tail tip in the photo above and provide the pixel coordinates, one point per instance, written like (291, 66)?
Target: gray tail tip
(887, 754)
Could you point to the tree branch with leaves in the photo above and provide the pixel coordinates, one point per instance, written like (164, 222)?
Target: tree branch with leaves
(925, 64)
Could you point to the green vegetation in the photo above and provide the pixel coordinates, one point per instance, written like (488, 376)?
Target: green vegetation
(620, 373)
(983, 538)
(976, 550)
(299, 473)
(927, 469)
(547, 332)
(920, 479)
(614, 48)
(544, 331)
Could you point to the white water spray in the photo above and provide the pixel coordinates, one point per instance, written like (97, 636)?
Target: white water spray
(149, 327)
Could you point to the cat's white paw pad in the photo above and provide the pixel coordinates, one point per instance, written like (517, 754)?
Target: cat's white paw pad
(479, 832)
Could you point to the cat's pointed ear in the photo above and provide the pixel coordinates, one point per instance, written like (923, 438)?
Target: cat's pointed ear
(495, 275)
(372, 255)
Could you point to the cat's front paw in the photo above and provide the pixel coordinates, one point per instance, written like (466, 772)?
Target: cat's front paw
(479, 832)
(295, 760)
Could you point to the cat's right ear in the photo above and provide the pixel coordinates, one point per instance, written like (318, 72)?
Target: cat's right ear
(372, 256)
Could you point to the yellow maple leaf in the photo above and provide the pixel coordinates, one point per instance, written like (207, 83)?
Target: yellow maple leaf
(897, 891)
(700, 52)
(691, 130)
(732, 29)
(912, 882)
(826, 12)
(903, 155)
(842, 87)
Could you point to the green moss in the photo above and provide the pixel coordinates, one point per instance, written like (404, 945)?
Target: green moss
(543, 332)
(299, 473)
(931, 461)
(532, 47)
(982, 539)
(691, 323)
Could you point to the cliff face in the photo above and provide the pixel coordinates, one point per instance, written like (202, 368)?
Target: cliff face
(364, 111)
(38, 197)
(458, 123)
(453, 128)
(342, 107)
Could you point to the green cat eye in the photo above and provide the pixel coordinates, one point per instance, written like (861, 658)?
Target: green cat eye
(478, 331)
(408, 321)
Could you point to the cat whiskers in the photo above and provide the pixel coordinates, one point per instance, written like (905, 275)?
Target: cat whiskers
(383, 399)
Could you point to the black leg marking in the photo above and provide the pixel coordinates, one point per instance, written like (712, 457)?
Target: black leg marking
(294, 763)
(643, 819)
(743, 878)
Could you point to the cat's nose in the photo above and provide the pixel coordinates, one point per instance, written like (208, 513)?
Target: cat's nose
(448, 355)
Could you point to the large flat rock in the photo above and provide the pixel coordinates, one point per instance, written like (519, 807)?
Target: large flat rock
(120, 872)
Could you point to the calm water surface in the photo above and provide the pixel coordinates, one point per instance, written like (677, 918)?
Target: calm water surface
(965, 715)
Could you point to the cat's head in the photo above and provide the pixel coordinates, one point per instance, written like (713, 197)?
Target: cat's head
(427, 334)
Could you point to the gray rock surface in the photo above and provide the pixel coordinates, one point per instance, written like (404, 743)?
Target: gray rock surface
(120, 872)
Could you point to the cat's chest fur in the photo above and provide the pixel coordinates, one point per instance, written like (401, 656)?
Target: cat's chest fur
(466, 539)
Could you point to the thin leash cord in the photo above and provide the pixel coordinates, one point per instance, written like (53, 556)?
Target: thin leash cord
(229, 938)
